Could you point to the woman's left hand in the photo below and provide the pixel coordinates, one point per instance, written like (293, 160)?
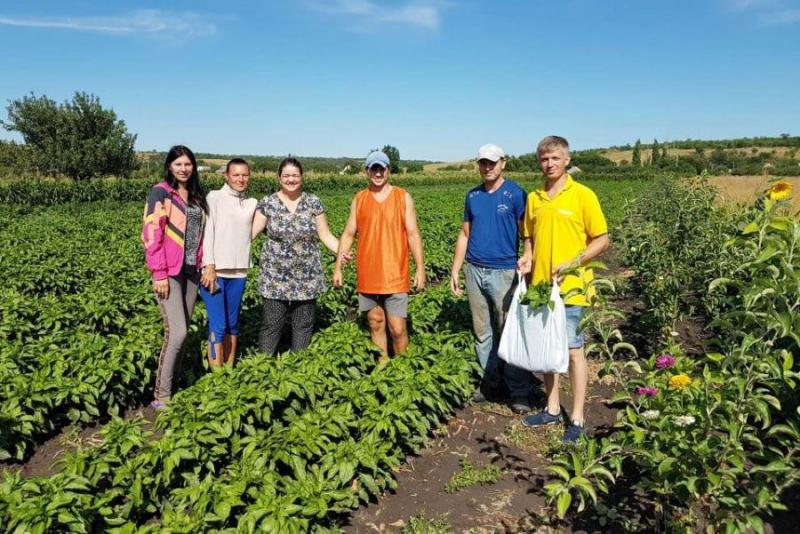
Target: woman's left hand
(209, 277)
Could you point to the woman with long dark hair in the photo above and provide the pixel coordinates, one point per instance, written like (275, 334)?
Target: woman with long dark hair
(172, 233)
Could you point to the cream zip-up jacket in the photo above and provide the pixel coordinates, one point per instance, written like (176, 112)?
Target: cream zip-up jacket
(226, 239)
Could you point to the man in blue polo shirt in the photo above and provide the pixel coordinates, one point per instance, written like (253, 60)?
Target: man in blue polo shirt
(489, 240)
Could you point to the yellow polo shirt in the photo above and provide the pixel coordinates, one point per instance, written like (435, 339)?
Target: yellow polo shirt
(561, 227)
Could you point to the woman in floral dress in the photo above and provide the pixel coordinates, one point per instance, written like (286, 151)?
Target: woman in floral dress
(291, 276)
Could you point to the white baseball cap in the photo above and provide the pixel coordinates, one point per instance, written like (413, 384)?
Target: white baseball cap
(491, 152)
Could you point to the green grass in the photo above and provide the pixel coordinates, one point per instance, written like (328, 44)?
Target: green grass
(469, 476)
(419, 524)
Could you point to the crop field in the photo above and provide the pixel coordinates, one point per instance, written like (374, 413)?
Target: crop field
(294, 443)
(80, 338)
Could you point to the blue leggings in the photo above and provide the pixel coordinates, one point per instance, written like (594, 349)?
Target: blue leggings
(223, 308)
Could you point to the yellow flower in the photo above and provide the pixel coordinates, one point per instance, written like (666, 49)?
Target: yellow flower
(780, 190)
(679, 381)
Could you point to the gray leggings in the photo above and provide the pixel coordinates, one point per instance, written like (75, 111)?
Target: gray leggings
(176, 310)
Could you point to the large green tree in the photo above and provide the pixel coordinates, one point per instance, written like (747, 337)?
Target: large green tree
(78, 138)
(394, 158)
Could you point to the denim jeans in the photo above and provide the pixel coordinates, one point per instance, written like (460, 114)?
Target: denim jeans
(490, 292)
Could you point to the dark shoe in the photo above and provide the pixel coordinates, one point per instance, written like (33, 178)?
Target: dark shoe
(573, 433)
(520, 405)
(543, 418)
(478, 397)
(487, 391)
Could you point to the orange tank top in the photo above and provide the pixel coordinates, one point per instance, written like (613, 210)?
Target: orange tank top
(382, 255)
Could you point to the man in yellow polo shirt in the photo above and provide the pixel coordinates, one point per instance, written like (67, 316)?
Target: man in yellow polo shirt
(564, 228)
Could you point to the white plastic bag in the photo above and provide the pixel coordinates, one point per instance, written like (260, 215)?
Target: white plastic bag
(536, 338)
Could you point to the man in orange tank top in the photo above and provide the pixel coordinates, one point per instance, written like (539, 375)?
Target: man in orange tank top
(385, 220)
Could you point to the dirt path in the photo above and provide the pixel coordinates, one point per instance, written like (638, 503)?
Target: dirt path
(486, 435)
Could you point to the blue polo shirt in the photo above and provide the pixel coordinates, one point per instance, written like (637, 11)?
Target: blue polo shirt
(494, 225)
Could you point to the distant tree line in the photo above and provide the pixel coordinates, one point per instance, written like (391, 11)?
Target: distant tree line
(322, 165)
(783, 140)
(656, 158)
(586, 160)
(745, 159)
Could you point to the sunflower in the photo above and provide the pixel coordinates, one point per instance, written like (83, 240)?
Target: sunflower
(780, 190)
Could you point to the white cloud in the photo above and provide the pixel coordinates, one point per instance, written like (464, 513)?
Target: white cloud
(422, 14)
(149, 22)
(767, 12)
(786, 16)
(743, 5)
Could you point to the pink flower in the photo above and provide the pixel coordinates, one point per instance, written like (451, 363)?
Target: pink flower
(665, 361)
(651, 391)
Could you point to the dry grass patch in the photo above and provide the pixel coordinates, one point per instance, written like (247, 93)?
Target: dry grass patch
(627, 155)
(746, 189)
(619, 155)
(541, 441)
(493, 408)
(467, 164)
(495, 515)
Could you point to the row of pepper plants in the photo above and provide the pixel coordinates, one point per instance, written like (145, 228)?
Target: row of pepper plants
(79, 327)
(709, 442)
(280, 444)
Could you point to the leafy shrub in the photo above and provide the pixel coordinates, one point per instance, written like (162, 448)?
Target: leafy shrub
(712, 440)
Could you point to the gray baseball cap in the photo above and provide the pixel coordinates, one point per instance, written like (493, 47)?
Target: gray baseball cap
(376, 157)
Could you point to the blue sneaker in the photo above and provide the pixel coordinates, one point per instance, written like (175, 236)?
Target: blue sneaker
(573, 433)
(543, 418)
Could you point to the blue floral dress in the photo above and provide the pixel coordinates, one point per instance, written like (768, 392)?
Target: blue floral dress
(291, 265)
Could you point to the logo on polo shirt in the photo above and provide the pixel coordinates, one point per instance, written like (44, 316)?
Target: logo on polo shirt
(503, 207)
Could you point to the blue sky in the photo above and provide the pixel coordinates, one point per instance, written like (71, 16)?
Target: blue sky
(435, 78)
